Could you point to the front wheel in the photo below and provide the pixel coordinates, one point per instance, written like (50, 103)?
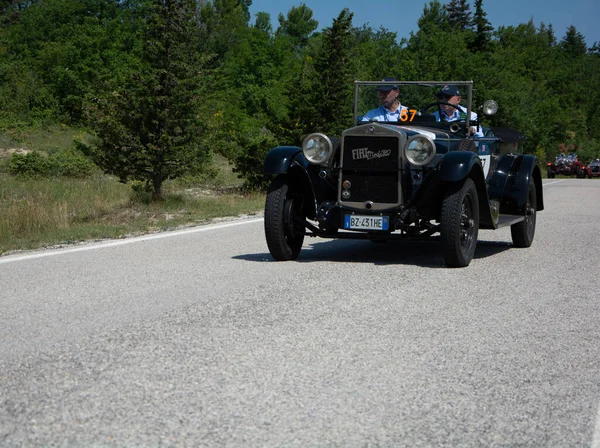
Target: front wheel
(523, 232)
(284, 221)
(460, 224)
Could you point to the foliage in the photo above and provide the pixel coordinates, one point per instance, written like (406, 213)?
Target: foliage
(298, 25)
(150, 129)
(482, 27)
(67, 162)
(334, 73)
(459, 14)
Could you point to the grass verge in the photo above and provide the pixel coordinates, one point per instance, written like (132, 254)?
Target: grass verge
(37, 213)
(45, 212)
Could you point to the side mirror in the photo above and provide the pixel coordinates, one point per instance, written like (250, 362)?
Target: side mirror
(490, 107)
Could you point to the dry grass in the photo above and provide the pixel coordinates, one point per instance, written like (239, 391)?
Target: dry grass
(41, 212)
(38, 213)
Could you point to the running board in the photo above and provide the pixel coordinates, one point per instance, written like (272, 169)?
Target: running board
(509, 220)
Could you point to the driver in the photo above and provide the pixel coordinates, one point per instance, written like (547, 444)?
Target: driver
(390, 105)
(453, 111)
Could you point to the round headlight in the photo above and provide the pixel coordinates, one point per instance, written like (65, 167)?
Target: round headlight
(490, 107)
(317, 148)
(420, 150)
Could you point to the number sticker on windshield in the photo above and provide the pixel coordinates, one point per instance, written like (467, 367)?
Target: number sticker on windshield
(408, 115)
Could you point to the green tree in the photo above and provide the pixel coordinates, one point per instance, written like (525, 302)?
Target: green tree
(334, 70)
(72, 47)
(150, 128)
(483, 29)
(459, 14)
(434, 17)
(436, 50)
(298, 25)
(573, 43)
(263, 23)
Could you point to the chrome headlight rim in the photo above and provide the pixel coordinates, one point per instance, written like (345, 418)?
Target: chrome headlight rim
(430, 156)
(311, 158)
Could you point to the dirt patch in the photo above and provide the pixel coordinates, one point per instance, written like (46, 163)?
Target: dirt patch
(7, 152)
(208, 192)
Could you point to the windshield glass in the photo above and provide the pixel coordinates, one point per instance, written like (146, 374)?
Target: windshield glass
(378, 101)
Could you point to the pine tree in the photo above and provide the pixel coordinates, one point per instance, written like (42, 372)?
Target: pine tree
(573, 43)
(150, 128)
(334, 72)
(459, 14)
(548, 32)
(483, 29)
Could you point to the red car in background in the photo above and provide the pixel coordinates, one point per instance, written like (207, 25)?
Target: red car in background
(593, 169)
(567, 165)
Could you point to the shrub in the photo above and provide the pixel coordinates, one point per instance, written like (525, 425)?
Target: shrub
(29, 165)
(72, 163)
(250, 162)
(66, 162)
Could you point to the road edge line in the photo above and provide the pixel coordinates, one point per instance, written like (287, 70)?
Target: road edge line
(113, 243)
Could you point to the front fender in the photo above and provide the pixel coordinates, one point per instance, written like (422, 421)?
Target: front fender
(457, 165)
(280, 158)
(515, 198)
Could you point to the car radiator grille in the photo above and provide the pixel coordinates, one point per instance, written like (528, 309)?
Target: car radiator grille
(370, 164)
(595, 169)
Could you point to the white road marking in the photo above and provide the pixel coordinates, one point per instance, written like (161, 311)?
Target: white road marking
(555, 182)
(596, 436)
(112, 243)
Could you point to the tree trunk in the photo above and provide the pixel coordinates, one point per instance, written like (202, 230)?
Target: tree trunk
(157, 188)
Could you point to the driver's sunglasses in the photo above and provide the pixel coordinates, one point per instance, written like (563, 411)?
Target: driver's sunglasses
(445, 97)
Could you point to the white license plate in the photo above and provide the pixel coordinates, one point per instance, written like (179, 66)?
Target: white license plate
(360, 222)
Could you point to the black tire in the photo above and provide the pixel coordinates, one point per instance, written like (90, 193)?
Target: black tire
(284, 221)
(550, 174)
(523, 232)
(460, 224)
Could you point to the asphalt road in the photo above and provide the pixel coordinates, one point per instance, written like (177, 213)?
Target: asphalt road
(198, 338)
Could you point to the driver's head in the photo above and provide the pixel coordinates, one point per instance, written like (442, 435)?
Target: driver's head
(449, 94)
(388, 93)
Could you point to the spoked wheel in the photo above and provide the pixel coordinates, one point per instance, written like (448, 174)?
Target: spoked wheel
(522, 233)
(460, 225)
(284, 221)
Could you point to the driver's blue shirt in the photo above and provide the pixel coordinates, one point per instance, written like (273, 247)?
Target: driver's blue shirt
(459, 115)
(383, 114)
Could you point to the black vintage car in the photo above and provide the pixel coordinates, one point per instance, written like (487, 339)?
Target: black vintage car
(414, 178)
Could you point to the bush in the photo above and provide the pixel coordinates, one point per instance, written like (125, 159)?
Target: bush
(29, 165)
(66, 162)
(250, 162)
(72, 163)
(540, 153)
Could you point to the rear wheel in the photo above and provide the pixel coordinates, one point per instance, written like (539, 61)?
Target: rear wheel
(284, 221)
(460, 224)
(523, 232)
